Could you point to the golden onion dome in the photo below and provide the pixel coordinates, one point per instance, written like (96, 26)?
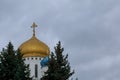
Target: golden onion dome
(34, 47)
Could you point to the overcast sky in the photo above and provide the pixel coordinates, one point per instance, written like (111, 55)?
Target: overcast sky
(88, 29)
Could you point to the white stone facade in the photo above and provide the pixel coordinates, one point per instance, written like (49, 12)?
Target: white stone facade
(36, 71)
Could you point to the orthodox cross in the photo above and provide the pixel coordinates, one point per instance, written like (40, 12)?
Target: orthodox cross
(33, 26)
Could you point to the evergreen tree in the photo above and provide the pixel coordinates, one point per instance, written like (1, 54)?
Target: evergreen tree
(22, 70)
(58, 66)
(12, 65)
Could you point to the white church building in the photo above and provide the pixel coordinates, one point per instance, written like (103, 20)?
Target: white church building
(35, 53)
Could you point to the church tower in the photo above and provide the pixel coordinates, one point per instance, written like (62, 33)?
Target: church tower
(35, 53)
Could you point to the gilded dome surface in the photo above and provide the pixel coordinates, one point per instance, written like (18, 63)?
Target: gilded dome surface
(34, 48)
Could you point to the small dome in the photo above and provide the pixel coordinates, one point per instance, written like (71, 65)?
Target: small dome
(34, 48)
(44, 62)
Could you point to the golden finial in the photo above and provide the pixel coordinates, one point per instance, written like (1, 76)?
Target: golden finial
(33, 26)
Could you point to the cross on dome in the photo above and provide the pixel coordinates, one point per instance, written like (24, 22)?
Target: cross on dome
(34, 26)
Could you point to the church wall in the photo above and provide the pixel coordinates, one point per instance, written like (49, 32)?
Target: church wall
(32, 61)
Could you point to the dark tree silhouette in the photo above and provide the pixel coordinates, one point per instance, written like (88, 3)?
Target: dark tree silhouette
(12, 66)
(58, 65)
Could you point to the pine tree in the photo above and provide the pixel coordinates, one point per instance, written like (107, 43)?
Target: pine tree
(12, 65)
(58, 66)
(22, 71)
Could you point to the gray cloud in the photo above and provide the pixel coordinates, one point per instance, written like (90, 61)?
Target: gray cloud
(88, 29)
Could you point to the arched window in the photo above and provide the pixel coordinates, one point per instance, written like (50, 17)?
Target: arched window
(36, 70)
